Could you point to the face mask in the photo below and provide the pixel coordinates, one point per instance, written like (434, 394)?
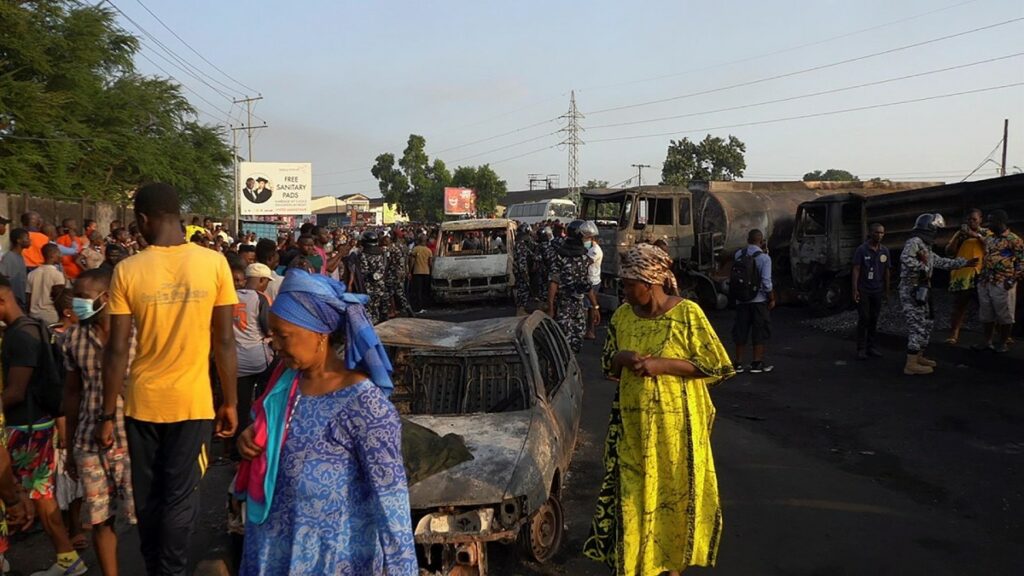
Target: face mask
(588, 244)
(84, 307)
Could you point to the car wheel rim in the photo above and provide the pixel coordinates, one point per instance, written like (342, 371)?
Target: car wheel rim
(545, 531)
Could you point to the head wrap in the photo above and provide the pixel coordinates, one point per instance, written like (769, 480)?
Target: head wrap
(650, 264)
(322, 305)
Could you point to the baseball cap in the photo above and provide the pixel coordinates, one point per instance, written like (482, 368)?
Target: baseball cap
(5, 221)
(258, 271)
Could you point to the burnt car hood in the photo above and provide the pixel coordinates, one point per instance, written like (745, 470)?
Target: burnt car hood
(497, 444)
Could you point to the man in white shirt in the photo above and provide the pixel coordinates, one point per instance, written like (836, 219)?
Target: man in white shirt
(41, 282)
(596, 256)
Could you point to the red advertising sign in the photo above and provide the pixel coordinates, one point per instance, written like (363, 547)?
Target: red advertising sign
(459, 201)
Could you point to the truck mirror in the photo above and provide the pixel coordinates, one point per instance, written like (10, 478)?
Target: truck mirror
(641, 215)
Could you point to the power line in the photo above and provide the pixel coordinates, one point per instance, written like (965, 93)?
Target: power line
(187, 87)
(816, 114)
(481, 140)
(513, 145)
(781, 51)
(985, 161)
(502, 135)
(194, 51)
(184, 64)
(807, 95)
(811, 69)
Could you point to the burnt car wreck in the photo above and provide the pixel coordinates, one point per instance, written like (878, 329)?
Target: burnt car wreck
(510, 391)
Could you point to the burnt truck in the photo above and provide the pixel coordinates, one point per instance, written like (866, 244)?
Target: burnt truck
(829, 229)
(703, 224)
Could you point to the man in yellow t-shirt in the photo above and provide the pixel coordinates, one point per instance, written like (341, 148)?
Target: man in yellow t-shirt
(420, 258)
(176, 293)
(966, 243)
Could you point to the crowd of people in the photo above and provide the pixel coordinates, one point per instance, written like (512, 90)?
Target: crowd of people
(124, 356)
(985, 263)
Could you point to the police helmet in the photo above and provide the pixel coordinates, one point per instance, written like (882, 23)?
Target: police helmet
(929, 222)
(370, 238)
(574, 229)
(588, 229)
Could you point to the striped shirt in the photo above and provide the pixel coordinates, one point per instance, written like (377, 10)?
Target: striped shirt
(83, 352)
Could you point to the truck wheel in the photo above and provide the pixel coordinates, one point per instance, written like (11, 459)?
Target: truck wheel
(832, 297)
(541, 536)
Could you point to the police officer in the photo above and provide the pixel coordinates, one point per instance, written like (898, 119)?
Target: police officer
(523, 255)
(394, 280)
(917, 261)
(569, 285)
(372, 264)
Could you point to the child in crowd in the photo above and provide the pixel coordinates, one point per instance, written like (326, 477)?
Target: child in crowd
(105, 475)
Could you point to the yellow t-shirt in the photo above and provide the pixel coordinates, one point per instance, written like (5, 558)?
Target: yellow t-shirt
(421, 259)
(170, 292)
(191, 230)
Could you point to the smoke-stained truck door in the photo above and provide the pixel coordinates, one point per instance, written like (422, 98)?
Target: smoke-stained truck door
(668, 218)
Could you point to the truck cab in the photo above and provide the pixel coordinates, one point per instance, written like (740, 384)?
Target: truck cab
(827, 232)
(625, 217)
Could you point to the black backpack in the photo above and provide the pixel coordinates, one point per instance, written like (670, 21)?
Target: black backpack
(744, 280)
(48, 395)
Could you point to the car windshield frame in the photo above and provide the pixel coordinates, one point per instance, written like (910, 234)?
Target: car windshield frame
(432, 382)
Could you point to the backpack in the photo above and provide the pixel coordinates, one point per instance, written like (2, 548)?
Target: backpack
(744, 280)
(48, 395)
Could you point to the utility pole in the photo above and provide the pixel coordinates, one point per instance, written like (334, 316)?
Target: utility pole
(573, 142)
(248, 125)
(640, 173)
(1006, 135)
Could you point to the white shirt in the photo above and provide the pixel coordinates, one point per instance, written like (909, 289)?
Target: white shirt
(40, 284)
(596, 255)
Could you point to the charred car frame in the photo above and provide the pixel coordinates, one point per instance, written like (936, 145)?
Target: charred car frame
(512, 390)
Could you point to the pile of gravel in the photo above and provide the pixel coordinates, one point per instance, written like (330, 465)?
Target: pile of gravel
(891, 320)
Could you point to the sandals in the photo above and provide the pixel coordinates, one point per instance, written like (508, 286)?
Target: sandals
(951, 341)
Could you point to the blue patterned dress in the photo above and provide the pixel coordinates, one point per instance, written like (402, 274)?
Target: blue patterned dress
(340, 504)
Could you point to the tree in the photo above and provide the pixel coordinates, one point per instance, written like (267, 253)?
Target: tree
(711, 159)
(490, 189)
(592, 184)
(830, 175)
(416, 184)
(86, 124)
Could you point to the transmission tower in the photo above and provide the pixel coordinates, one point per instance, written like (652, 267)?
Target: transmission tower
(573, 142)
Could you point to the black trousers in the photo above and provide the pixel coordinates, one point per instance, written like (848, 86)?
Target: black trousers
(419, 291)
(868, 310)
(168, 461)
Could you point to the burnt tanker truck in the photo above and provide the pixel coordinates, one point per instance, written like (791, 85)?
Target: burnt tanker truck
(705, 224)
(829, 228)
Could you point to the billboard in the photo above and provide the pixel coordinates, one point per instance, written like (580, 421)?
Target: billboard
(275, 188)
(459, 202)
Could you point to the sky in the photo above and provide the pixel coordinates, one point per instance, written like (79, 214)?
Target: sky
(486, 82)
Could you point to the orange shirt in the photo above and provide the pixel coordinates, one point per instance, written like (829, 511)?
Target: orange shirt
(33, 255)
(71, 268)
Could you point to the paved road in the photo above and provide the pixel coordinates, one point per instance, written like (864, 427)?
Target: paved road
(826, 466)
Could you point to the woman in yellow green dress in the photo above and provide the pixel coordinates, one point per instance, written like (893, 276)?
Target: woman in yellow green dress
(658, 511)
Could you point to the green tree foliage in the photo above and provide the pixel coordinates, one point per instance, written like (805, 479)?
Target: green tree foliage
(592, 184)
(490, 189)
(711, 159)
(87, 125)
(830, 175)
(415, 184)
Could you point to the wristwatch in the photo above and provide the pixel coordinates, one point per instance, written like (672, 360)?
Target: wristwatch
(105, 418)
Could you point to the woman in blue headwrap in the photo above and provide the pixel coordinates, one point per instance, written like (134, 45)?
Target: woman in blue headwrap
(324, 482)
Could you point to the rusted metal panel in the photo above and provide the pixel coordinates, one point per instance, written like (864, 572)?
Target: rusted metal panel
(476, 224)
(476, 266)
(423, 333)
